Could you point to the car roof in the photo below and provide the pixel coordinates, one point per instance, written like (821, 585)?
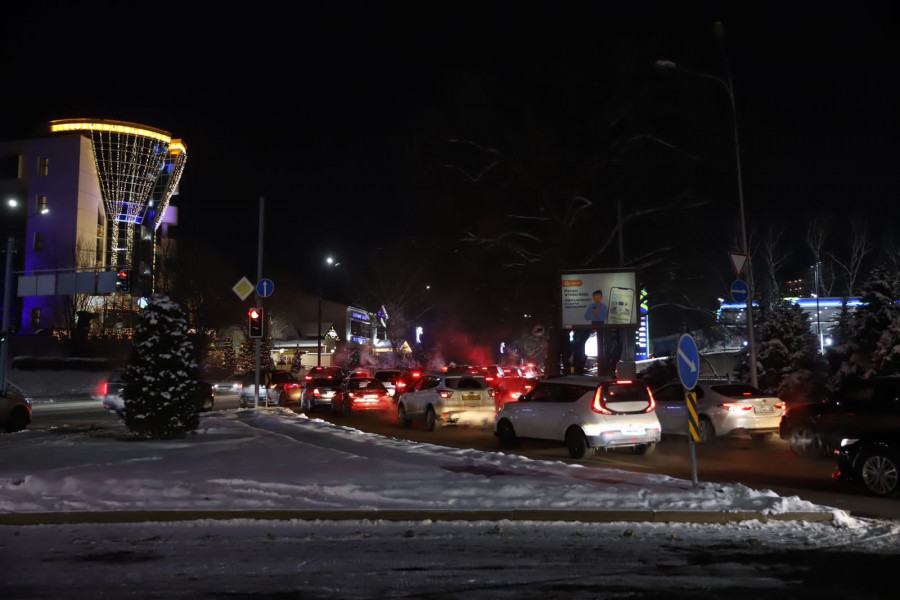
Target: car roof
(585, 380)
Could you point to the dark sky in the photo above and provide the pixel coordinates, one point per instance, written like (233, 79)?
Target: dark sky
(320, 108)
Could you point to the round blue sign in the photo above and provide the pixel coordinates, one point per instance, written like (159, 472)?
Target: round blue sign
(688, 359)
(739, 290)
(265, 287)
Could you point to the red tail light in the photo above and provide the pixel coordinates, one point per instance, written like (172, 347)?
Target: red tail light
(652, 406)
(103, 387)
(400, 384)
(416, 374)
(598, 405)
(781, 405)
(308, 378)
(735, 407)
(445, 394)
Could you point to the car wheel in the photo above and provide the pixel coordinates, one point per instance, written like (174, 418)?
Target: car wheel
(430, 419)
(642, 449)
(402, 417)
(759, 437)
(706, 431)
(18, 420)
(803, 442)
(576, 442)
(506, 434)
(881, 474)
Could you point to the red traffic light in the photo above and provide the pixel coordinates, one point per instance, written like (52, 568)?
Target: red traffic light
(254, 313)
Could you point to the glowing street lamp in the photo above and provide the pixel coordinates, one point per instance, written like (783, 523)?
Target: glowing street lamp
(331, 263)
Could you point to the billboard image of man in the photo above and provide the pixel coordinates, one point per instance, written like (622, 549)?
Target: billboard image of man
(597, 311)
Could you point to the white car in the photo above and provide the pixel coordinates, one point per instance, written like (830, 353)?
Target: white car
(586, 413)
(723, 408)
(447, 399)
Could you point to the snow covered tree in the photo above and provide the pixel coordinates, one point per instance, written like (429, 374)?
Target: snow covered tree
(161, 377)
(874, 326)
(228, 357)
(788, 362)
(296, 363)
(266, 362)
(246, 360)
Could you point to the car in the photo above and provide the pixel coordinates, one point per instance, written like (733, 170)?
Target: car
(530, 371)
(395, 380)
(860, 407)
(361, 372)
(508, 383)
(110, 394)
(723, 409)
(318, 372)
(319, 391)
(276, 388)
(447, 398)
(585, 413)
(229, 385)
(873, 460)
(361, 393)
(15, 411)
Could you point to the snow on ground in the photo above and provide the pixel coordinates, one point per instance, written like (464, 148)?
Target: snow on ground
(251, 463)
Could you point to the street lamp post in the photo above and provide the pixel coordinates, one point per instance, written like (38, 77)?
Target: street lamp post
(7, 287)
(719, 31)
(331, 263)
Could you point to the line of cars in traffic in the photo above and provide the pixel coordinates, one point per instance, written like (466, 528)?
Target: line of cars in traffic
(859, 425)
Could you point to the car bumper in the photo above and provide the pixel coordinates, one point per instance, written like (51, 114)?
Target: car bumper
(613, 439)
(749, 424)
(467, 417)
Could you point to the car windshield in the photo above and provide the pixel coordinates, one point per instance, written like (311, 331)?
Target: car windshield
(625, 392)
(738, 391)
(372, 385)
(466, 383)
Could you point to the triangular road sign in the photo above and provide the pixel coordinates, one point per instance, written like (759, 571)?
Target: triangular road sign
(738, 260)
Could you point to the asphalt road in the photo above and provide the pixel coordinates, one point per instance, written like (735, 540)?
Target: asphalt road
(760, 465)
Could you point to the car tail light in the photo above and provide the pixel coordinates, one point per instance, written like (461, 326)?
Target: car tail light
(445, 394)
(400, 385)
(308, 378)
(735, 406)
(103, 388)
(491, 392)
(416, 374)
(781, 405)
(316, 392)
(488, 378)
(598, 406)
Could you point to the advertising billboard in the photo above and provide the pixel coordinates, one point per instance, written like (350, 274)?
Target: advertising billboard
(593, 299)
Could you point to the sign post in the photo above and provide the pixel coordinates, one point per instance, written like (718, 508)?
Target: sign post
(688, 362)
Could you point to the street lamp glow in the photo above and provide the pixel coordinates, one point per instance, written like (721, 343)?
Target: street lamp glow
(12, 203)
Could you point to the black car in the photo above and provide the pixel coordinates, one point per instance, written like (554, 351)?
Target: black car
(872, 460)
(861, 407)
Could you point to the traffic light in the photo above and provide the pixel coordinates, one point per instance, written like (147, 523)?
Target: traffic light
(123, 281)
(255, 327)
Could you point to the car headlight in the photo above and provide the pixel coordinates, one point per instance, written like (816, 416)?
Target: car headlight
(848, 441)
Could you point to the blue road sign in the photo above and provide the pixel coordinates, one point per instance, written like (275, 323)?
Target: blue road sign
(739, 290)
(265, 287)
(688, 361)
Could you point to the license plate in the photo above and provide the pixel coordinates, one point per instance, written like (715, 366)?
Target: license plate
(764, 409)
(633, 430)
(471, 397)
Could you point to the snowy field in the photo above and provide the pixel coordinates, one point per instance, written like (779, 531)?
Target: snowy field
(281, 506)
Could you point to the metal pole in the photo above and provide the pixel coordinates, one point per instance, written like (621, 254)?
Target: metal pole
(7, 292)
(719, 31)
(818, 317)
(319, 331)
(259, 276)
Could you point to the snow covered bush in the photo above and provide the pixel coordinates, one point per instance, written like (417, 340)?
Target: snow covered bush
(160, 380)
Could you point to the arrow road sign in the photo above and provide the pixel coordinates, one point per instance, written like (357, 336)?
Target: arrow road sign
(739, 290)
(688, 361)
(265, 287)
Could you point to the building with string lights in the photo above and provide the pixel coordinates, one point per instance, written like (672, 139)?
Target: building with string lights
(92, 196)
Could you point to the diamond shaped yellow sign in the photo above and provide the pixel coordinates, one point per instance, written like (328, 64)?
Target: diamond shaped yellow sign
(243, 288)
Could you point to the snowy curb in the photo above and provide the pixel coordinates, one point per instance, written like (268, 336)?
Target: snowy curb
(583, 516)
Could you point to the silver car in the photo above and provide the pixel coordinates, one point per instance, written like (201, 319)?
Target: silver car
(723, 408)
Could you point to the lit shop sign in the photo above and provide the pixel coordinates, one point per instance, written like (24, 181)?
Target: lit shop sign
(359, 316)
(359, 340)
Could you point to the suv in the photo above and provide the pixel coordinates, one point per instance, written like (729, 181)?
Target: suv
(723, 408)
(586, 413)
(275, 388)
(395, 380)
(861, 408)
(448, 399)
(335, 373)
(319, 391)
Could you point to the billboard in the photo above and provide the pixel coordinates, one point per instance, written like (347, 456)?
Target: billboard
(593, 299)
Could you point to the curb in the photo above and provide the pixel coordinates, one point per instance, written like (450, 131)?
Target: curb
(587, 516)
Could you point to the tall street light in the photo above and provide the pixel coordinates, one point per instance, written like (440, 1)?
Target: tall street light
(726, 83)
(330, 263)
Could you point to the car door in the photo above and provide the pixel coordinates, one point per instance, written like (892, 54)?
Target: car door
(671, 409)
(423, 394)
(533, 410)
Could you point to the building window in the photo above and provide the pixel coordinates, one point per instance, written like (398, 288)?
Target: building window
(38, 242)
(43, 166)
(35, 318)
(40, 204)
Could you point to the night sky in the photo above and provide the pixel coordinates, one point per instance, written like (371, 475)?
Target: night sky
(328, 111)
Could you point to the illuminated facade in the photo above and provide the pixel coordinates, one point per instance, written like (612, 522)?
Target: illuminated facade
(94, 195)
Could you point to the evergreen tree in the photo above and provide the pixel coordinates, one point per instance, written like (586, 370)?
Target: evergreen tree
(875, 318)
(788, 362)
(246, 360)
(228, 357)
(296, 363)
(161, 377)
(266, 362)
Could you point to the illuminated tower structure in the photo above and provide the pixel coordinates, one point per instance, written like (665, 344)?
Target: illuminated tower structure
(91, 194)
